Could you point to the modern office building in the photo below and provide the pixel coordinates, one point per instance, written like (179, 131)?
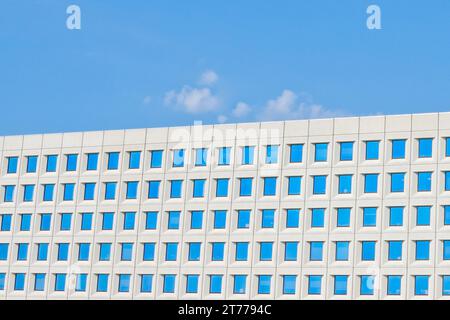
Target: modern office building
(345, 208)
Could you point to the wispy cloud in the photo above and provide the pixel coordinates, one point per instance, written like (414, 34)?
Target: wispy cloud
(192, 100)
(241, 110)
(208, 78)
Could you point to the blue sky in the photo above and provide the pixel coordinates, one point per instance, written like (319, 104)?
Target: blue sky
(161, 63)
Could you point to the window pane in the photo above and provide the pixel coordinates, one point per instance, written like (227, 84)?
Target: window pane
(294, 185)
(92, 161)
(372, 150)
(371, 183)
(423, 181)
(320, 152)
(343, 217)
(156, 158)
(113, 160)
(319, 184)
(222, 187)
(270, 186)
(247, 155)
(345, 183)
(245, 189)
(135, 160)
(292, 218)
(296, 153)
(425, 147)
(224, 156)
(397, 182)
(346, 153)
(271, 154)
(398, 149)
(396, 216)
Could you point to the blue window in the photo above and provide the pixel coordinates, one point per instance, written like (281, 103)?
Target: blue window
(127, 252)
(81, 281)
(423, 214)
(83, 251)
(248, 155)
(239, 284)
(317, 218)
(396, 216)
(12, 164)
(217, 251)
(129, 220)
(92, 161)
(265, 251)
(113, 161)
(107, 220)
(5, 222)
(66, 221)
(394, 285)
(369, 217)
(25, 222)
(342, 250)
(398, 149)
(156, 158)
(296, 153)
(367, 285)
(4, 251)
(447, 180)
(48, 192)
(28, 192)
(63, 251)
(345, 183)
(267, 218)
(42, 252)
(368, 250)
(316, 251)
(314, 284)
(124, 282)
(446, 250)
(446, 210)
(89, 190)
(46, 219)
(102, 282)
(220, 219)
(320, 152)
(423, 181)
(343, 217)
(198, 188)
(271, 154)
(146, 283)
(52, 161)
(290, 251)
(319, 184)
(69, 189)
(173, 221)
(60, 281)
(422, 250)
(105, 252)
(372, 150)
(215, 283)
(110, 190)
(194, 251)
(22, 251)
(149, 251)
(9, 193)
(395, 250)
(178, 158)
(289, 284)
(196, 219)
(19, 281)
(292, 218)
(346, 152)
(2, 281)
(425, 147)
(39, 281)
(270, 186)
(201, 155)
(224, 156)
(397, 182)
(421, 285)
(171, 251)
(294, 185)
(135, 160)
(243, 221)
(175, 188)
(447, 147)
(192, 283)
(222, 187)
(245, 187)
(153, 189)
(264, 284)
(340, 285)
(371, 183)
(241, 251)
(132, 189)
(32, 164)
(71, 162)
(445, 285)
(86, 221)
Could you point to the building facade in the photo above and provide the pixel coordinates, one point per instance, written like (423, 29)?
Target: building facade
(345, 208)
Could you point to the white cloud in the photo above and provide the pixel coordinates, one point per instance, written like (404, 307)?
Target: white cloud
(192, 100)
(208, 78)
(241, 110)
(222, 118)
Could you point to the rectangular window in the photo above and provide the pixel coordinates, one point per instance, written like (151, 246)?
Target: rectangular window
(156, 158)
(239, 284)
(342, 250)
(39, 281)
(134, 160)
(394, 285)
(110, 190)
(171, 251)
(66, 221)
(25, 222)
(296, 153)
(343, 217)
(290, 251)
(149, 251)
(320, 152)
(314, 284)
(245, 187)
(12, 164)
(395, 250)
(397, 182)
(316, 251)
(396, 216)
(201, 155)
(423, 215)
(60, 281)
(48, 192)
(19, 281)
(294, 185)
(89, 191)
(126, 252)
(105, 252)
(124, 282)
(69, 190)
(422, 250)
(270, 186)
(63, 251)
(129, 219)
(86, 221)
(2, 281)
(243, 221)
(319, 184)
(102, 282)
(369, 217)
(446, 212)
(81, 281)
(425, 147)
(92, 161)
(175, 188)
(292, 218)
(45, 224)
(4, 251)
(222, 187)
(31, 164)
(447, 147)
(267, 218)
(224, 156)
(271, 154)
(248, 155)
(194, 251)
(289, 284)
(241, 251)
(346, 151)
(424, 181)
(368, 250)
(151, 220)
(345, 184)
(192, 283)
(265, 251)
(83, 251)
(9, 193)
(113, 160)
(264, 284)
(447, 180)
(178, 158)
(132, 190)
(22, 251)
(146, 283)
(71, 162)
(220, 219)
(42, 252)
(421, 285)
(6, 220)
(340, 285)
(372, 150)
(174, 220)
(445, 285)
(367, 284)
(107, 220)
(215, 283)
(217, 251)
(153, 189)
(52, 161)
(446, 250)
(371, 183)
(317, 218)
(196, 219)
(398, 148)
(198, 188)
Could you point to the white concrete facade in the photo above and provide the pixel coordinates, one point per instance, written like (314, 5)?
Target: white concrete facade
(283, 134)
